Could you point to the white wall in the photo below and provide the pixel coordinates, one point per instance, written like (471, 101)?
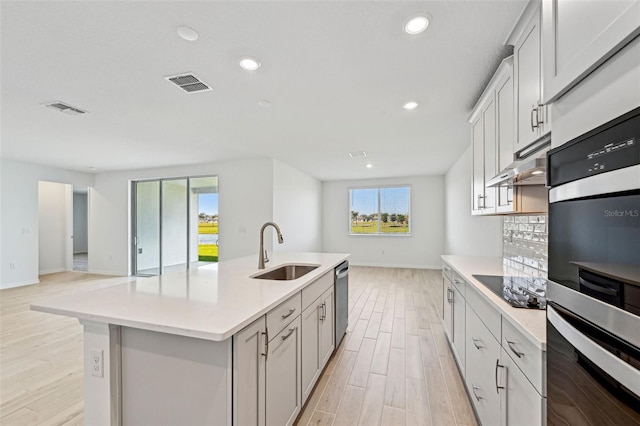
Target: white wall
(19, 217)
(53, 235)
(420, 250)
(245, 203)
(80, 223)
(465, 234)
(608, 92)
(297, 209)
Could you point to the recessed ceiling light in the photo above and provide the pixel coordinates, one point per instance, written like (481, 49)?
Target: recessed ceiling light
(410, 105)
(417, 24)
(187, 33)
(264, 103)
(248, 63)
(357, 154)
(369, 166)
(93, 169)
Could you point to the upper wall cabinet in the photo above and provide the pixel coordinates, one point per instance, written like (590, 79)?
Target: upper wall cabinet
(492, 139)
(578, 36)
(532, 116)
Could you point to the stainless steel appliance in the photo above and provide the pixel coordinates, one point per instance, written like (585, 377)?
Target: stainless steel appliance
(593, 322)
(341, 300)
(519, 292)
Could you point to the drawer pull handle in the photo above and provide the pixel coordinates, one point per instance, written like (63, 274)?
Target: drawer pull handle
(510, 344)
(291, 311)
(474, 388)
(475, 343)
(324, 311)
(291, 330)
(266, 344)
(447, 269)
(501, 366)
(457, 281)
(450, 295)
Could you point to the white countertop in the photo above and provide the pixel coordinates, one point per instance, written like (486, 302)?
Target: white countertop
(531, 322)
(212, 302)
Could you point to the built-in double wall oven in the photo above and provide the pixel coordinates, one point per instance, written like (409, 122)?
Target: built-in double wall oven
(593, 310)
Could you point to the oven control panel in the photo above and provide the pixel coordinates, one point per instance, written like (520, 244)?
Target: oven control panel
(612, 146)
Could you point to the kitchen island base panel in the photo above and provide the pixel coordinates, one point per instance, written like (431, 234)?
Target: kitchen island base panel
(169, 379)
(155, 378)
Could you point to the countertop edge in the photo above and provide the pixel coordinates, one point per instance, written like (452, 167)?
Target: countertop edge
(194, 332)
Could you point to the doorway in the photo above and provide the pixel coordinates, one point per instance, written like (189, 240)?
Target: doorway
(80, 221)
(174, 224)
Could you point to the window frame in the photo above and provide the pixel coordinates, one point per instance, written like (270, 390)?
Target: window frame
(380, 234)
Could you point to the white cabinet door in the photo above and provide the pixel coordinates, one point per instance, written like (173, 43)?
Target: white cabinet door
(505, 134)
(581, 35)
(327, 330)
(249, 374)
(318, 341)
(447, 306)
(483, 353)
(459, 327)
(283, 395)
(310, 348)
(483, 139)
(490, 163)
(527, 64)
(522, 404)
(477, 144)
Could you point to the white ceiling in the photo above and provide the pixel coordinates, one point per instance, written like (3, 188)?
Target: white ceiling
(337, 74)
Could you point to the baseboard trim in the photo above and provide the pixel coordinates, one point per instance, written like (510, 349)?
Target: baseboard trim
(394, 265)
(106, 272)
(18, 284)
(52, 271)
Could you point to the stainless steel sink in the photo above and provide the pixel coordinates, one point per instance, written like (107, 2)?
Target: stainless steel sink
(286, 272)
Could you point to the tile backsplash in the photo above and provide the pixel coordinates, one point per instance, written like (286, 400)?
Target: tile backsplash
(524, 245)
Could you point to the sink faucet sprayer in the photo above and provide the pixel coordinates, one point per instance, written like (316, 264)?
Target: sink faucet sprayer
(263, 258)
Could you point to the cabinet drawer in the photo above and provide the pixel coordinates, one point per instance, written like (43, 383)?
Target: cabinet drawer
(459, 282)
(446, 270)
(315, 290)
(526, 355)
(487, 313)
(483, 352)
(283, 314)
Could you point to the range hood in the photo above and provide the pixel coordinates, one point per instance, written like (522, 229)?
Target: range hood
(529, 168)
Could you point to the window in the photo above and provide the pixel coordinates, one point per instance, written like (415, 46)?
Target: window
(379, 211)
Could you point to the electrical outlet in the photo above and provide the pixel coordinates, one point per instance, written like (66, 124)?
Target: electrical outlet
(12, 265)
(97, 362)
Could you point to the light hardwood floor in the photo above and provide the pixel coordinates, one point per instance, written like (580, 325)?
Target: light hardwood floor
(394, 367)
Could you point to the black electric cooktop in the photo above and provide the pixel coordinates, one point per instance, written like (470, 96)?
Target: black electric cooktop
(520, 292)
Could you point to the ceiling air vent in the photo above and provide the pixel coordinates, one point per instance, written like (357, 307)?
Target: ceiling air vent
(65, 108)
(189, 83)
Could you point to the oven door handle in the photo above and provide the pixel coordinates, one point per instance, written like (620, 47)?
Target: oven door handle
(600, 289)
(624, 373)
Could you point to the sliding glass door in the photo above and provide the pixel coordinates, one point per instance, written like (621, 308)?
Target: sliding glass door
(146, 239)
(174, 224)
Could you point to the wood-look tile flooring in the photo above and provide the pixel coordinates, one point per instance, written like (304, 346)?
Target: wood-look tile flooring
(41, 354)
(394, 367)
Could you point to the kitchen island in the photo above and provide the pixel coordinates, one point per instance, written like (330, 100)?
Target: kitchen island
(163, 350)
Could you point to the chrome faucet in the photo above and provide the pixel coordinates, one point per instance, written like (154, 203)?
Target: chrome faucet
(263, 258)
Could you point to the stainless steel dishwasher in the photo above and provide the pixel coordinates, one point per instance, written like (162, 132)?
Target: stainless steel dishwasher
(341, 300)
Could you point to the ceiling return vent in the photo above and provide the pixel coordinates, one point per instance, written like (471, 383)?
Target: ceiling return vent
(65, 108)
(189, 83)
